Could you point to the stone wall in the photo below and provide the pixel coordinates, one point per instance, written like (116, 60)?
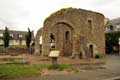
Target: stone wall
(80, 23)
(37, 42)
(12, 51)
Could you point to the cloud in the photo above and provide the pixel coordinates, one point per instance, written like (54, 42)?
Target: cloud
(110, 10)
(10, 12)
(21, 14)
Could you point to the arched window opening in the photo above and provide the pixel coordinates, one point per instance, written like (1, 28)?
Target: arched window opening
(52, 38)
(67, 35)
(90, 24)
(40, 40)
(52, 42)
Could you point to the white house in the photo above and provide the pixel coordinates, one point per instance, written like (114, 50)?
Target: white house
(16, 37)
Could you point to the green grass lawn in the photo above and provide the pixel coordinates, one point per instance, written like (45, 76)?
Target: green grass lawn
(18, 71)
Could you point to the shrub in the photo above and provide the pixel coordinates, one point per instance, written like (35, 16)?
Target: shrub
(99, 56)
(59, 67)
(111, 40)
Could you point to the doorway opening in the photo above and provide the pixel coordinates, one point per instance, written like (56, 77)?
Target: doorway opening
(91, 51)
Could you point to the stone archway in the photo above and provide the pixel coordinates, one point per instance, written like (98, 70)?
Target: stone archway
(92, 48)
(64, 38)
(37, 41)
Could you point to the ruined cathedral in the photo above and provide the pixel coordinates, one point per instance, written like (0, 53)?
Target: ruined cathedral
(73, 32)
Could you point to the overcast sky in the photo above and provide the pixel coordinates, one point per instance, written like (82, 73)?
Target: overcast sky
(21, 14)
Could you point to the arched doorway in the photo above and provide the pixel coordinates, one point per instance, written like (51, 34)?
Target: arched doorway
(91, 51)
(63, 38)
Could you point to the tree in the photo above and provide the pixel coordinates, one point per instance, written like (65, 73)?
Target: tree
(112, 40)
(6, 37)
(28, 38)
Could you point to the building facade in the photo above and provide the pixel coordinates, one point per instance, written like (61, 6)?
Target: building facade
(16, 37)
(113, 25)
(113, 36)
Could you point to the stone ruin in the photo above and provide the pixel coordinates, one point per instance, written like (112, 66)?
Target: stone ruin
(73, 32)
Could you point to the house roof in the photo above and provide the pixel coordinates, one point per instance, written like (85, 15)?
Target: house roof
(114, 21)
(17, 33)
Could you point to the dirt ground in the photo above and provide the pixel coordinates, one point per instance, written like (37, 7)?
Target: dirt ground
(108, 71)
(33, 59)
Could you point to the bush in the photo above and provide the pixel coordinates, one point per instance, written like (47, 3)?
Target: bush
(111, 40)
(99, 56)
(59, 67)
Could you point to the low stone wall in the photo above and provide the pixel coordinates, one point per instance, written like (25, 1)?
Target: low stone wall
(13, 51)
(3, 50)
(17, 50)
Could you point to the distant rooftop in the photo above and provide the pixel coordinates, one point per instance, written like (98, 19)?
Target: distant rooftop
(113, 25)
(17, 34)
(114, 21)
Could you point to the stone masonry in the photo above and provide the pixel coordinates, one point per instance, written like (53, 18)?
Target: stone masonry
(74, 32)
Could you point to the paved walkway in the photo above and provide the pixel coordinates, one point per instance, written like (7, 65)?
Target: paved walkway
(110, 70)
